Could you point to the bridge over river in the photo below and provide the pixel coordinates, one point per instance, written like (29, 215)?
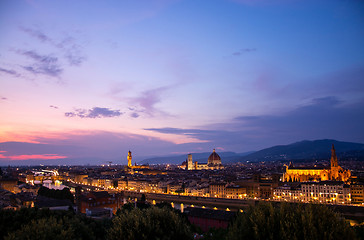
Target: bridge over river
(181, 201)
(351, 212)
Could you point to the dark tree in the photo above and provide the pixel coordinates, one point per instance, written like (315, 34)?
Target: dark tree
(21, 223)
(143, 198)
(65, 193)
(290, 221)
(150, 223)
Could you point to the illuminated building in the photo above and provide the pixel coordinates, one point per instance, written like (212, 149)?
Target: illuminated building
(290, 193)
(213, 162)
(302, 174)
(8, 184)
(129, 157)
(99, 200)
(326, 192)
(235, 192)
(357, 193)
(134, 167)
(217, 190)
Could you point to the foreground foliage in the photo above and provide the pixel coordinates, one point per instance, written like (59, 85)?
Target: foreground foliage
(290, 221)
(149, 223)
(33, 223)
(65, 193)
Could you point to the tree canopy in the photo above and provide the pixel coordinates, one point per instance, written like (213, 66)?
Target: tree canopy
(149, 223)
(290, 221)
(65, 193)
(24, 223)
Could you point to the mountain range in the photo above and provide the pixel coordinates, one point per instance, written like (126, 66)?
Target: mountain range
(304, 150)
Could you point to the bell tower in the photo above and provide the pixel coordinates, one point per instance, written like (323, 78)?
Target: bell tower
(189, 162)
(129, 159)
(334, 164)
(333, 157)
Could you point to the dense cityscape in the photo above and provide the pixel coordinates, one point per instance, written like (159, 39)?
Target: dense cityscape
(209, 194)
(180, 119)
(274, 181)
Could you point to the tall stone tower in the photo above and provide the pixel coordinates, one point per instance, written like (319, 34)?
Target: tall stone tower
(334, 164)
(129, 159)
(189, 162)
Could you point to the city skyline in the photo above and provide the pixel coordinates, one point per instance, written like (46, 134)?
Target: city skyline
(94, 79)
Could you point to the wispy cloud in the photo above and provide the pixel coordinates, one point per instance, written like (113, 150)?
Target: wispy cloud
(9, 71)
(134, 115)
(72, 52)
(95, 112)
(42, 64)
(148, 99)
(36, 34)
(52, 106)
(244, 50)
(324, 117)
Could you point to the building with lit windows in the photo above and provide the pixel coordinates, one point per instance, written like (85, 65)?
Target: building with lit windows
(289, 193)
(217, 190)
(336, 192)
(235, 192)
(357, 193)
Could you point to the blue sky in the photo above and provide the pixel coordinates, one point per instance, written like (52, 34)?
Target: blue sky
(162, 77)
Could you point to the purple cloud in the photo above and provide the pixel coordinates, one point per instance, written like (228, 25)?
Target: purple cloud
(95, 112)
(43, 64)
(148, 99)
(37, 34)
(324, 118)
(52, 106)
(72, 51)
(244, 50)
(9, 71)
(134, 115)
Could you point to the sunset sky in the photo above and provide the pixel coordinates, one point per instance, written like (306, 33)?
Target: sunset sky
(84, 81)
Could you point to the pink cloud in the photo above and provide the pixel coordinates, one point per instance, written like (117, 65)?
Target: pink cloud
(34, 156)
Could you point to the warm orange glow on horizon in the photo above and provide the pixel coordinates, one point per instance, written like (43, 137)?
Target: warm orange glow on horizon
(33, 156)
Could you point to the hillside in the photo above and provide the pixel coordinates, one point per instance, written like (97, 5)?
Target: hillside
(307, 150)
(318, 149)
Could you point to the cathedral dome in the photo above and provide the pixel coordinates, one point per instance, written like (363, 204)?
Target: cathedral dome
(214, 158)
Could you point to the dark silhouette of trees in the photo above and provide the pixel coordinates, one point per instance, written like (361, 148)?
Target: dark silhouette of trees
(65, 193)
(149, 223)
(45, 228)
(290, 221)
(21, 223)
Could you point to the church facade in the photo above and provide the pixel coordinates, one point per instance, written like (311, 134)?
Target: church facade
(213, 162)
(303, 174)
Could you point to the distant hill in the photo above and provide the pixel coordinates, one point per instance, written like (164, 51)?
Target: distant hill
(304, 150)
(318, 149)
(199, 157)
